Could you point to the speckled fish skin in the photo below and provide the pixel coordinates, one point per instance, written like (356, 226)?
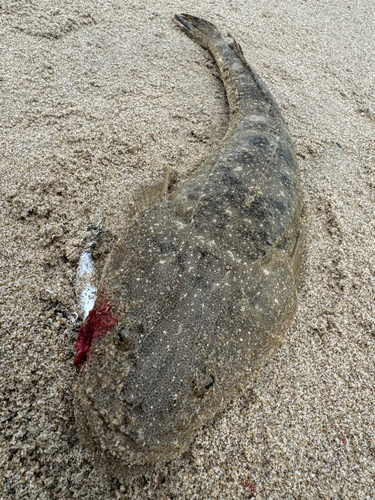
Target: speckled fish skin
(203, 286)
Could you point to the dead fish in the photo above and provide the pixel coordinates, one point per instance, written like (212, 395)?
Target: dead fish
(198, 294)
(86, 290)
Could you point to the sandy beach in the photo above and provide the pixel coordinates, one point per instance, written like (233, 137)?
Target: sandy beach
(97, 100)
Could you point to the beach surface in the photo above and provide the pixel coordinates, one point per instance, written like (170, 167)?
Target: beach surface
(98, 99)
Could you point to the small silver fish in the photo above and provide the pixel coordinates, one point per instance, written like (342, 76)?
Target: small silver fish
(86, 276)
(86, 289)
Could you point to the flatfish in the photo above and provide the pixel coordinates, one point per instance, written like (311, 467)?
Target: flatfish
(195, 298)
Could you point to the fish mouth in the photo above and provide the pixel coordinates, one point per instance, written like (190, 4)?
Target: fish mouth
(149, 452)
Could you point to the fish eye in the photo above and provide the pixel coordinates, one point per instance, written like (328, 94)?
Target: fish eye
(210, 384)
(120, 336)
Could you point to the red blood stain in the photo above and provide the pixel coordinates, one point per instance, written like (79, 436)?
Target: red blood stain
(99, 321)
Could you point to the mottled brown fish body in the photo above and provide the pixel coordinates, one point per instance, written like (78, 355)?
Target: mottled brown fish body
(203, 286)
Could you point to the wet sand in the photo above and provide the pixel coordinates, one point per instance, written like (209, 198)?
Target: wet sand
(97, 100)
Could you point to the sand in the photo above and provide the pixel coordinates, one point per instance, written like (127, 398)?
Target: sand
(97, 99)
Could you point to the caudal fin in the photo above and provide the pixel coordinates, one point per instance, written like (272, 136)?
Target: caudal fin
(199, 30)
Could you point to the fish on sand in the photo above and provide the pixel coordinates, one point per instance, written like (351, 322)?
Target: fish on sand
(195, 298)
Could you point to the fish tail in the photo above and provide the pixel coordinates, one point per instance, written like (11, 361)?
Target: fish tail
(207, 35)
(201, 31)
(244, 88)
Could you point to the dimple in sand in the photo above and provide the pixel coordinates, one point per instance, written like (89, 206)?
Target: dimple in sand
(198, 294)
